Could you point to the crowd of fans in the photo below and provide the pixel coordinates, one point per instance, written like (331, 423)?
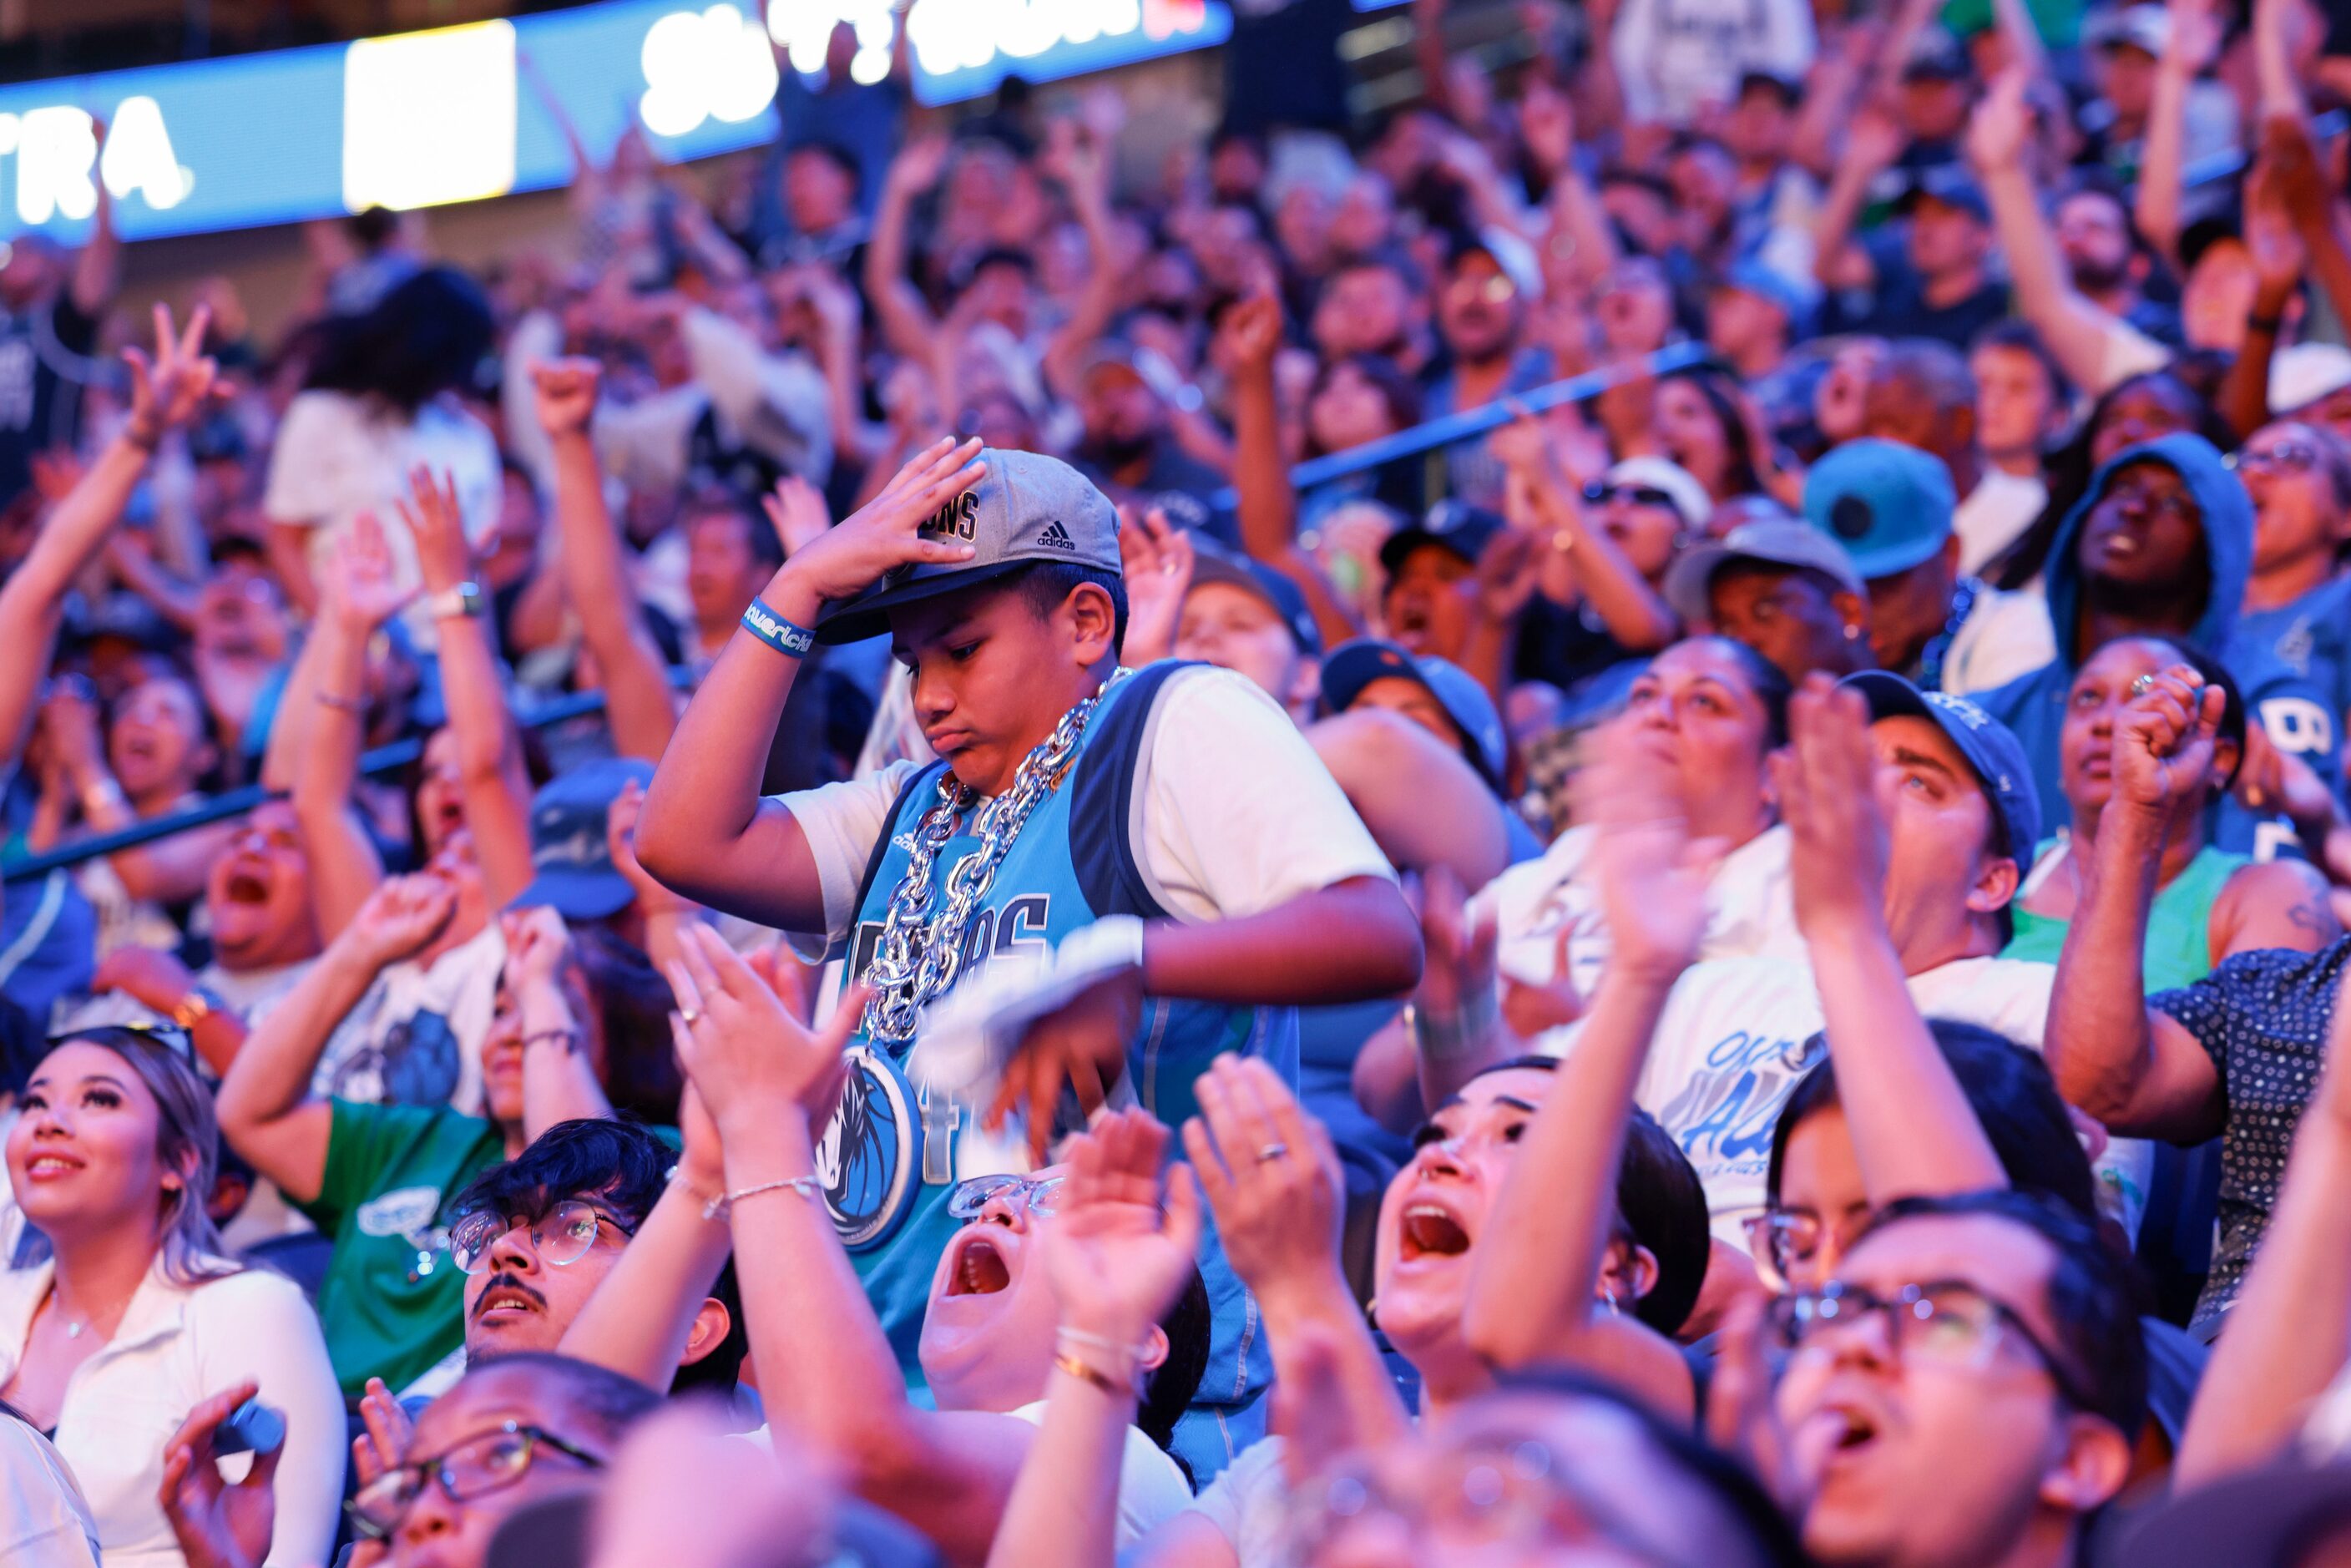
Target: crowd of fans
(764, 889)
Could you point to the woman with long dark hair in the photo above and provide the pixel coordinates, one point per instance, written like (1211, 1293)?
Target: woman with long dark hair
(121, 1313)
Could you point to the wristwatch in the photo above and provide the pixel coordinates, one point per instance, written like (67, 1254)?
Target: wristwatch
(464, 598)
(198, 1005)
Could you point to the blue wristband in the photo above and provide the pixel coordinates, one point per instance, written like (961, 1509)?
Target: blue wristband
(776, 632)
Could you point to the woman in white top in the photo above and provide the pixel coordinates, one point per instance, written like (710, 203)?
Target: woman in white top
(120, 1315)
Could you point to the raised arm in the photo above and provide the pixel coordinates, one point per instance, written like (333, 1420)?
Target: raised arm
(636, 684)
(2289, 1335)
(2075, 330)
(268, 1113)
(2280, 260)
(1534, 1279)
(490, 772)
(320, 742)
(769, 1083)
(1547, 125)
(1914, 1134)
(165, 391)
(706, 832)
(907, 324)
(1084, 174)
(1119, 1259)
(2137, 1071)
(1635, 614)
(1424, 803)
(558, 1077)
(2319, 214)
(98, 270)
(1871, 141)
(1268, 511)
(2156, 208)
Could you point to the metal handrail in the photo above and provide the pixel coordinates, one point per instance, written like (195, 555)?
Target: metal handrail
(236, 802)
(1452, 429)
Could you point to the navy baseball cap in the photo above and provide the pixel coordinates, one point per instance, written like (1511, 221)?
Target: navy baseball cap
(1353, 666)
(1464, 530)
(1212, 563)
(571, 871)
(1890, 506)
(1992, 752)
(1027, 507)
(1955, 191)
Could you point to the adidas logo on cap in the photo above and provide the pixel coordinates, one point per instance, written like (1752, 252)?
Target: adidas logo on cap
(1056, 537)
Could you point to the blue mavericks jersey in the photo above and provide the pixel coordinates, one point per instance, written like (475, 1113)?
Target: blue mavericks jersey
(892, 1152)
(2293, 666)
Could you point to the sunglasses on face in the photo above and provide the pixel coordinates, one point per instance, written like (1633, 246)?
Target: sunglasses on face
(563, 1235)
(478, 1466)
(1038, 1195)
(1944, 1321)
(1599, 492)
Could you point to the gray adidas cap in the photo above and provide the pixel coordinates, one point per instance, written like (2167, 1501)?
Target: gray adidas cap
(1027, 507)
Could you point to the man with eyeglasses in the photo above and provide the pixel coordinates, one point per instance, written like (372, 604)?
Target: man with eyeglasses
(1966, 1390)
(2161, 544)
(527, 1427)
(1481, 314)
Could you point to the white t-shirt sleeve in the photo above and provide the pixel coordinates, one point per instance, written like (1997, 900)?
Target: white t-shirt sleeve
(844, 821)
(1239, 816)
(2128, 352)
(1151, 1486)
(315, 464)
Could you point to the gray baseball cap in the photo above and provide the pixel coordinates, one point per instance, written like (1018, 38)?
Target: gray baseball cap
(1027, 507)
(1780, 542)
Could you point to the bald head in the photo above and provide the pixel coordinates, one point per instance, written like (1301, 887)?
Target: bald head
(1922, 394)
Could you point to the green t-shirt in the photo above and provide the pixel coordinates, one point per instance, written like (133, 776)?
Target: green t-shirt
(393, 1303)
(2178, 923)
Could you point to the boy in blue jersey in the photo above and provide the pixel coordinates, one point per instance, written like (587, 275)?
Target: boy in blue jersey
(1179, 801)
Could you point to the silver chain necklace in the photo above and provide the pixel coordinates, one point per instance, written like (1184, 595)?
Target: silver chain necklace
(919, 955)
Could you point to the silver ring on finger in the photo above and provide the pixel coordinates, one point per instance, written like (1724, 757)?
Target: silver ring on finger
(1271, 1152)
(2142, 686)
(691, 1014)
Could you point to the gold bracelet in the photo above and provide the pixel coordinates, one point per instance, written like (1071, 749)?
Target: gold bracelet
(1100, 1379)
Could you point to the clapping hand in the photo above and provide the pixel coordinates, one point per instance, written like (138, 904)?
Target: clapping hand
(886, 533)
(1651, 874)
(1250, 333)
(753, 1063)
(1271, 1178)
(385, 1429)
(1825, 778)
(362, 590)
(537, 942)
(621, 843)
(217, 1523)
(167, 390)
(1156, 559)
(444, 558)
(1117, 1258)
(797, 513)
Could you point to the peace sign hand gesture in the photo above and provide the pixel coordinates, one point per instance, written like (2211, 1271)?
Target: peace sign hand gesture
(167, 390)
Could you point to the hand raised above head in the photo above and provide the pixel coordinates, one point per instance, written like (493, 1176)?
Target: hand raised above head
(887, 532)
(1825, 781)
(750, 1061)
(2165, 740)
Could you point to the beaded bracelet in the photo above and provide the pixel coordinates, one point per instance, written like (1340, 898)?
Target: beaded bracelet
(784, 636)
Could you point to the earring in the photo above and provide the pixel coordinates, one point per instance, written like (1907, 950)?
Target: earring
(1608, 1294)
(1852, 633)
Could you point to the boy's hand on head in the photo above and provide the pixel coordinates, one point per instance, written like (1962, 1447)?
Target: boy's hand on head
(1082, 1044)
(886, 533)
(1825, 778)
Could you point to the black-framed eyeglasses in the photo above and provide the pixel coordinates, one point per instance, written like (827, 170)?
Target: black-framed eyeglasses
(487, 1462)
(1945, 1321)
(560, 1236)
(1038, 1195)
(1599, 492)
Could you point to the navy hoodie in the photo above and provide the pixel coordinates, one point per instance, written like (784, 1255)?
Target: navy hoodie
(2033, 705)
